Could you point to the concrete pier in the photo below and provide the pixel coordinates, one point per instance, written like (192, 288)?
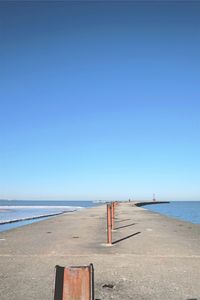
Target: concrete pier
(152, 256)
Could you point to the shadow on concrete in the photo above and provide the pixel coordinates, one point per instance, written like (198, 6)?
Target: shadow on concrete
(122, 220)
(59, 283)
(191, 299)
(125, 226)
(126, 237)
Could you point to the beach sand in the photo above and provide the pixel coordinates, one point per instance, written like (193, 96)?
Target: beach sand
(159, 260)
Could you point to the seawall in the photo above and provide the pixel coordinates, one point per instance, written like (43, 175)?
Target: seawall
(140, 204)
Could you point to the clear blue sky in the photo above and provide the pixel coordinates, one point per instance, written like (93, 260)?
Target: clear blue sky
(100, 100)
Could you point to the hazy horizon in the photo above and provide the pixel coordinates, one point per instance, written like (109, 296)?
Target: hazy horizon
(97, 199)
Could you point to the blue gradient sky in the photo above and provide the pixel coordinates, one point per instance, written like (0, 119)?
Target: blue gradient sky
(100, 100)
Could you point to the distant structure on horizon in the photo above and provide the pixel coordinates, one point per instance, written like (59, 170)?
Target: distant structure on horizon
(154, 197)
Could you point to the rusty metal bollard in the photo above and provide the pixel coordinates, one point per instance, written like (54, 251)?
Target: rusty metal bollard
(109, 224)
(113, 215)
(74, 283)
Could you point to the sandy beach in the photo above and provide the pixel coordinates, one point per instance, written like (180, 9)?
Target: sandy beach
(153, 256)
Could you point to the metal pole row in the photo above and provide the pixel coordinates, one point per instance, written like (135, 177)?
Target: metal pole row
(110, 221)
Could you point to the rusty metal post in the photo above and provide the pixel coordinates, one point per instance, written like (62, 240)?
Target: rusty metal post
(74, 283)
(113, 215)
(109, 224)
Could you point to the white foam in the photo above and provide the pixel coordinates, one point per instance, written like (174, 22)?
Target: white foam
(39, 207)
(23, 213)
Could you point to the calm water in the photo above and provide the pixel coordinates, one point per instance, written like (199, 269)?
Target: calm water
(184, 210)
(17, 213)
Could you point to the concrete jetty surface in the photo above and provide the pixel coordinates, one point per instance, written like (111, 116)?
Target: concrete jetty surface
(153, 256)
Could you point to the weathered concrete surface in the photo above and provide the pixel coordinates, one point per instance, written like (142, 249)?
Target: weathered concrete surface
(161, 261)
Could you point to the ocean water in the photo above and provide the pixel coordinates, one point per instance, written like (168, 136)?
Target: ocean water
(183, 210)
(18, 213)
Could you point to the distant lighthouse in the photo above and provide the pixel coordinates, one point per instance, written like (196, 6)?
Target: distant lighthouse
(154, 197)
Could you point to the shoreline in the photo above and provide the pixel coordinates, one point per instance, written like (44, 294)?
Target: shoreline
(35, 217)
(24, 221)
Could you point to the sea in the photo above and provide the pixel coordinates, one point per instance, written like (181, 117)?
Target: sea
(183, 210)
(17, 213)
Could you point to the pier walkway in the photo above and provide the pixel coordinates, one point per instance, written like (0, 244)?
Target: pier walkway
(152, 257)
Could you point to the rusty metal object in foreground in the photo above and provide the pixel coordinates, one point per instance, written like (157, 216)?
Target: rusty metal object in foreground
(109, 224)
(113, 214)
(74, 283)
